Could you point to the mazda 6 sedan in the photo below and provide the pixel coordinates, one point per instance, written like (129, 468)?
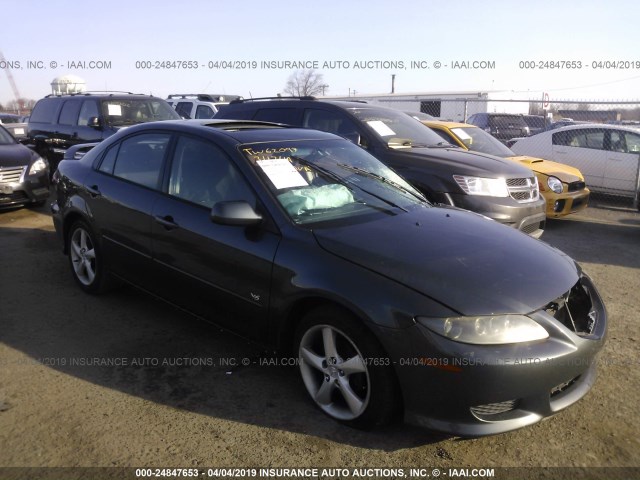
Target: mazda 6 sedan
(302, 240)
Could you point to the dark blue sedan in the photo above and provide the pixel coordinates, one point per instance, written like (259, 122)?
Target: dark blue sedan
(303, 241)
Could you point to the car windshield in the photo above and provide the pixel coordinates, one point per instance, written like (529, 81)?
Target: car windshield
(477, 140)
(397, 129)
(9, 119)
(119, 112)
(317, 181)
(6, 138)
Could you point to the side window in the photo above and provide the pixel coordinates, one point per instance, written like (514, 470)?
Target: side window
(582, 138)
(69, 113)
(203, 174)
(595, 139)
(88, 110)
(287, 116)
(616, 141)
(109, 160)
(561, 139)
(204, 111)
(184, 109)
(139, 158)
(633, 142)
(332, 122)
(44, 111)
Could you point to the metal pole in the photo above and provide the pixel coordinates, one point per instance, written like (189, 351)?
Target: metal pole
(636, 198)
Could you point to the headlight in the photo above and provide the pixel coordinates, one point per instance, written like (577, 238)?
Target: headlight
(487, 330)
(488, 187)
(37, 166)
(555, 184)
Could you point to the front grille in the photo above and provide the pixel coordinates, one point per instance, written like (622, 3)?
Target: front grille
(574, 310)
(558, 389)
(532, 227)
(18, 196)
(523, 190)
(494, 408)
(576, 186)
(578, 202)
(11, 174)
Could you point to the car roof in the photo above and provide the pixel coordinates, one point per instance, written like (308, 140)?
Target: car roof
(242, 131)
(596, 125)
(447, 124)
(303, 101)
(101, 95)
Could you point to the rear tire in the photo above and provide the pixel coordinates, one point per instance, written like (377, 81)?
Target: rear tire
(345, 370)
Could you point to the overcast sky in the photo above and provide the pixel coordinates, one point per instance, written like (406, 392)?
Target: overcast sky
(372, 40)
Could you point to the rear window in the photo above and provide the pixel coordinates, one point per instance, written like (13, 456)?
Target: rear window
(44, 111)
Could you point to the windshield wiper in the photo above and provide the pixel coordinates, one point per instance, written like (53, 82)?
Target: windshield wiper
(342, 181)
(380, 178)
(442, 145)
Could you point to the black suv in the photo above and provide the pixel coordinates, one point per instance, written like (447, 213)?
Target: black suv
(497, 188)
(59, 121)
(503, 126)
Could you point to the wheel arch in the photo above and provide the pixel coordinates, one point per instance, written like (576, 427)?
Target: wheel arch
(67, 223)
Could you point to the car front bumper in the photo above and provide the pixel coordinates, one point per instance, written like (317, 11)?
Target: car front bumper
(527, 217)
(475, 390)
(18, 188)
(559, 205)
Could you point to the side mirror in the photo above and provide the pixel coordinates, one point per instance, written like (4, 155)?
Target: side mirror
(94, 122)
(238, 213)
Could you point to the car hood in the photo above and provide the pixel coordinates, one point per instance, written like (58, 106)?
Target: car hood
(467, 262)
(465, 162)
(564, 172)
(15, 155)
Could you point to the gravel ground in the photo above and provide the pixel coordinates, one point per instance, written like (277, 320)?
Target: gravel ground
(59, 407)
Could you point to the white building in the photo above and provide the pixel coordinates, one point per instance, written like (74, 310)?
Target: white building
(453, 106)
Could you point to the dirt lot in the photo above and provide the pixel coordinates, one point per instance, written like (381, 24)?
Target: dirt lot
(60, 407)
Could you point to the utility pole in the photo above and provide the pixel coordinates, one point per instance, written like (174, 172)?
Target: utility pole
(12, 82)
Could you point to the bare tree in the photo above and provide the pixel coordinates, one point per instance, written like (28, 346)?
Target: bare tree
(304, 83)
(21, 105)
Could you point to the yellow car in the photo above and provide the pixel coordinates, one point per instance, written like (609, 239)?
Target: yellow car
(562, 186)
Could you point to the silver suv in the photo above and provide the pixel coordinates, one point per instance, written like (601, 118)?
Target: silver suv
(198, 105)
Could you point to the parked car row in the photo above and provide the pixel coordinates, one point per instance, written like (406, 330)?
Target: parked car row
(563, 187)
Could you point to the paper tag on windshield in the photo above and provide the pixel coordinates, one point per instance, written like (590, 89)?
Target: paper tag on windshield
(115, 110)
(281, 173)
(381, 128)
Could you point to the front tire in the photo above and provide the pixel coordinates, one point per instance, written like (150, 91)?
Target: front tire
(85, 258)
(345, 370)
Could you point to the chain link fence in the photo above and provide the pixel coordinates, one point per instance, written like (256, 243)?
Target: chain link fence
(600, 138)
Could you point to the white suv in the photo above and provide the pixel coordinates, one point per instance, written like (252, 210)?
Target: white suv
(198, 105)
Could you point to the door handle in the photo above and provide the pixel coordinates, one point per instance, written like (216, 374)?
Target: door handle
(166, 221)
(94, 191)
